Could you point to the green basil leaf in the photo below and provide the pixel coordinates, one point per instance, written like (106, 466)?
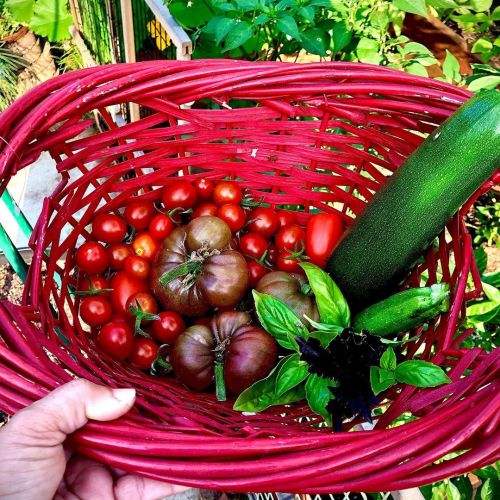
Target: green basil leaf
(279, 320)
(291, 374)
(324, 333)
(412, 6)
(388, 359)
(318, 395)
(381, 379)
(421, 374)
(332, 306)
(238, 35)
(287, 25)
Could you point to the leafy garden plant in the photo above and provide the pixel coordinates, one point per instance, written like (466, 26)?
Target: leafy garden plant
(338, 371)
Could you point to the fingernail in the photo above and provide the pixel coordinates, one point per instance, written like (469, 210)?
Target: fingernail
(124, 395)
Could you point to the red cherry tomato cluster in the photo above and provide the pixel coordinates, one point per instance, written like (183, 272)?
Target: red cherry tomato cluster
(115, 264)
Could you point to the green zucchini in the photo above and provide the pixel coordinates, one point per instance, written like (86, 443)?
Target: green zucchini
(403, 311)
(413, 206)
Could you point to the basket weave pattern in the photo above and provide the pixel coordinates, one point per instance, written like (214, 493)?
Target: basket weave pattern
(323, 136)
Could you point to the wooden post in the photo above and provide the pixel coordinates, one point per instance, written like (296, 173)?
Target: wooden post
(128, 36)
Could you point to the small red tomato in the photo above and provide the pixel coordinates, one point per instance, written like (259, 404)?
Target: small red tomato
(116, 339)
(160, 227)
(286, 218)
(143, 301)
(145, 246)
(233, 215)
(272, 254)
(205, 209)
(286, 263)
(204, 188)
(118, 253)
(255, 272)
(253, 245)
(168, 327)
(92, 257)
(139, 213)
(109, 228)
(124, 286)
(137, 267)
(265, 221)
(227, 192)
(94, 283)
(95, 310)
(323, 232)
(291, 237)
(180, 194)
(143, 353)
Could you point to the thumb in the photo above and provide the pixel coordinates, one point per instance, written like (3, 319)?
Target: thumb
(70, 407)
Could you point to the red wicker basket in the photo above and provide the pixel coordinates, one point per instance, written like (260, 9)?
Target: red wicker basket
(338, 126)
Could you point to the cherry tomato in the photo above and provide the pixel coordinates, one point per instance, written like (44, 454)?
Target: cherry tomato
(253, 245)
(323, 232)
(205, 209)
(168, 327)
(139, 213)
(124, 286)
(233, 215)
(92, 257)
(291, 237)
(95, 282)
(95, 310)
(255, 272)
(137, 267)
(180, 194)
(109, 228)
(160, 227)
(204, 188)
(227, 192)
(272, 254)
(143, 353)
(286, 218)
(116, 339)
(289, 265)
(145, 246)
(118, 253)
(265, 221)
(143, 300)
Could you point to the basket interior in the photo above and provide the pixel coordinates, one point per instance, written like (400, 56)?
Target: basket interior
(303, 147)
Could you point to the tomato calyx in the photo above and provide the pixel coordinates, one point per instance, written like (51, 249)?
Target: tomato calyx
(171, 214)
(141, 315)
(91, 291)
(306, 289)
(219, 356)
(297, 254)
(160, 366)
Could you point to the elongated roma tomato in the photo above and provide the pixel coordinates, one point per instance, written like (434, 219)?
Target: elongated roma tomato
(323, 232)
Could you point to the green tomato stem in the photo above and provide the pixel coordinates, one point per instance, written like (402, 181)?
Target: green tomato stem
(191, 267)
(220, 385)
(306, 289)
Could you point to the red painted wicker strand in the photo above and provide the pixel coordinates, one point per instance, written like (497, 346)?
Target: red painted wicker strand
(339, 126)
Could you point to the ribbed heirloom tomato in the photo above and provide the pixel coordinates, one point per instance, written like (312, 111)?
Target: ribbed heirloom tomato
(109, 228)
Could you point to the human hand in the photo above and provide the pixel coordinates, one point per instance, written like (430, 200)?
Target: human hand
(36, 466)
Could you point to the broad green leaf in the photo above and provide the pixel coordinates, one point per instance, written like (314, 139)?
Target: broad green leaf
(332, 306)
(495, 16)
(480, 5)
(481, 259)
(482, 45)
(421, 374)
(307, 13)
(381, 379)
(388, 359)
(323, 332)
(292, 373)
(314, 41)
(262, 395)
(318, 395)
(412, 6)
(442, 4)
(226, 7)
(321, 3)
(190, 14)
(287, 25)
(451, 68)
(416, 69)
(490, 490)
(492, 279)
(261, 19)
(452, 492)
(284, 4)
(416, 48)
(223, 27)
(279, 320)
(212, 24)
(21, 10)
(367, 51)
(341, 36)
(238, 35)
(488, 472)
(483, 310)
(464, 486)
(51, 19)
(484, 82)
(247, 5)
(491, 292)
